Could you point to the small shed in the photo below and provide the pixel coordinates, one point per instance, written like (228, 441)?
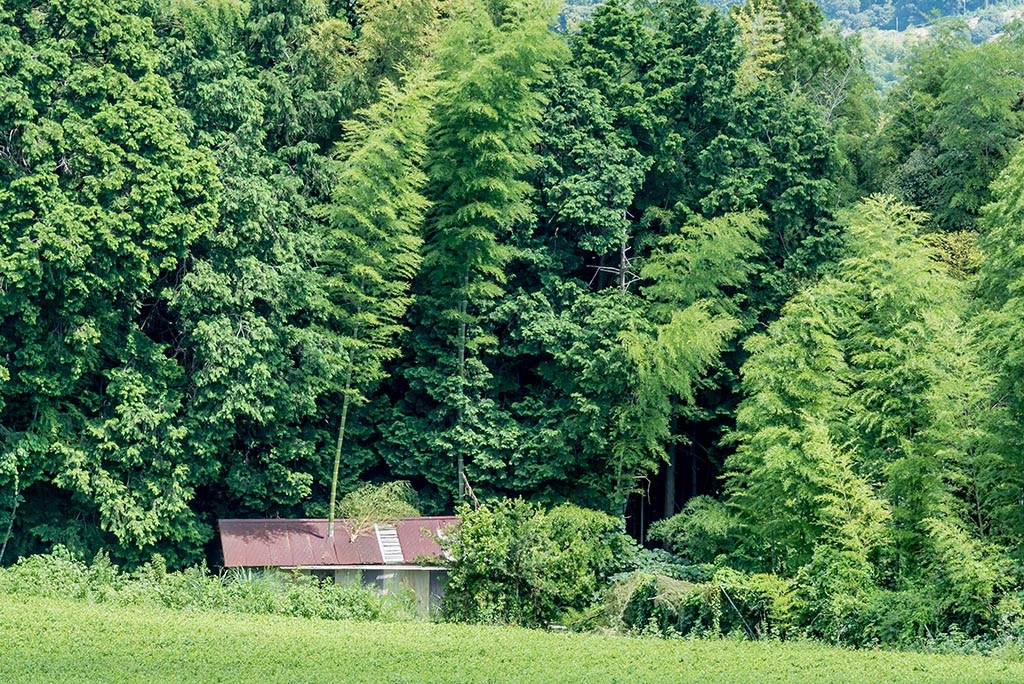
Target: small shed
(399, 557)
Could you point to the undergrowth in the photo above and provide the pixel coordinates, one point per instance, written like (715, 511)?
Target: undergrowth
(62, 575)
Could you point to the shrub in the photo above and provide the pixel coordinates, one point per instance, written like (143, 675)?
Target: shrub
(376, 504)
(729, 603)
(516, 563)
(701, 531)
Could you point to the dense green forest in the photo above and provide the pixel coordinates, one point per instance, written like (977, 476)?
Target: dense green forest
(660, 260)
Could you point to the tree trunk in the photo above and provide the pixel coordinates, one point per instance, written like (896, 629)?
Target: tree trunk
(623, 264)
(693, 467)
(346, 399)
(461, 457)
(670, 472)
(14, 511)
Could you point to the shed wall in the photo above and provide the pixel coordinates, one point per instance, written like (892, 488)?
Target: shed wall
(426, 586)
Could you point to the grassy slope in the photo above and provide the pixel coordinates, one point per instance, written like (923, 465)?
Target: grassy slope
(47, 641)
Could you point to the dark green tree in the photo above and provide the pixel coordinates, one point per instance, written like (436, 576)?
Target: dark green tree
(248, 312)
(481, 149)
(101, 201)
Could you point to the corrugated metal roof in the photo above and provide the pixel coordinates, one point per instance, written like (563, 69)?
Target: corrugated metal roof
(304, 542)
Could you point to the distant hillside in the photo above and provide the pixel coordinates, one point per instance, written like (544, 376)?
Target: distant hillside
(860, 14)
(885, 49)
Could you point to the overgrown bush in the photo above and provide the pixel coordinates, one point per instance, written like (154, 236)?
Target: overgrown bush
(921, 619)
(701, 530)
(516, 563)
(61, 575)
(728, 603)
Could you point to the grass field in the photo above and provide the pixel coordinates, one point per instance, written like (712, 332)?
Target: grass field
(57, 641)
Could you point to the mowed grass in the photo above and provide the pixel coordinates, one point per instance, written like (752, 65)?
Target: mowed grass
(61, 641)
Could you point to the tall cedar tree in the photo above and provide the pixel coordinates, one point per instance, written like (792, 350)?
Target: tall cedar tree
(249, 312)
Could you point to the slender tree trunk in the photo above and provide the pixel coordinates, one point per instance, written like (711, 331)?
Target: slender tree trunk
(624, 255)
(346, 399)
(461, 456)
(622, 265)
(14, 511)
(670, 472)
(693, 467)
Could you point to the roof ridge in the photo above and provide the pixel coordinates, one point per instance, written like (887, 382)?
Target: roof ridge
(323, 520)
(298, 542)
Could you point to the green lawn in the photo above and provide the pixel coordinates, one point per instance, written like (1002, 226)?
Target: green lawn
(52, 641)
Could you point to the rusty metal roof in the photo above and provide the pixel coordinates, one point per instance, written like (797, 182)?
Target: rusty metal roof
(304, 543)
